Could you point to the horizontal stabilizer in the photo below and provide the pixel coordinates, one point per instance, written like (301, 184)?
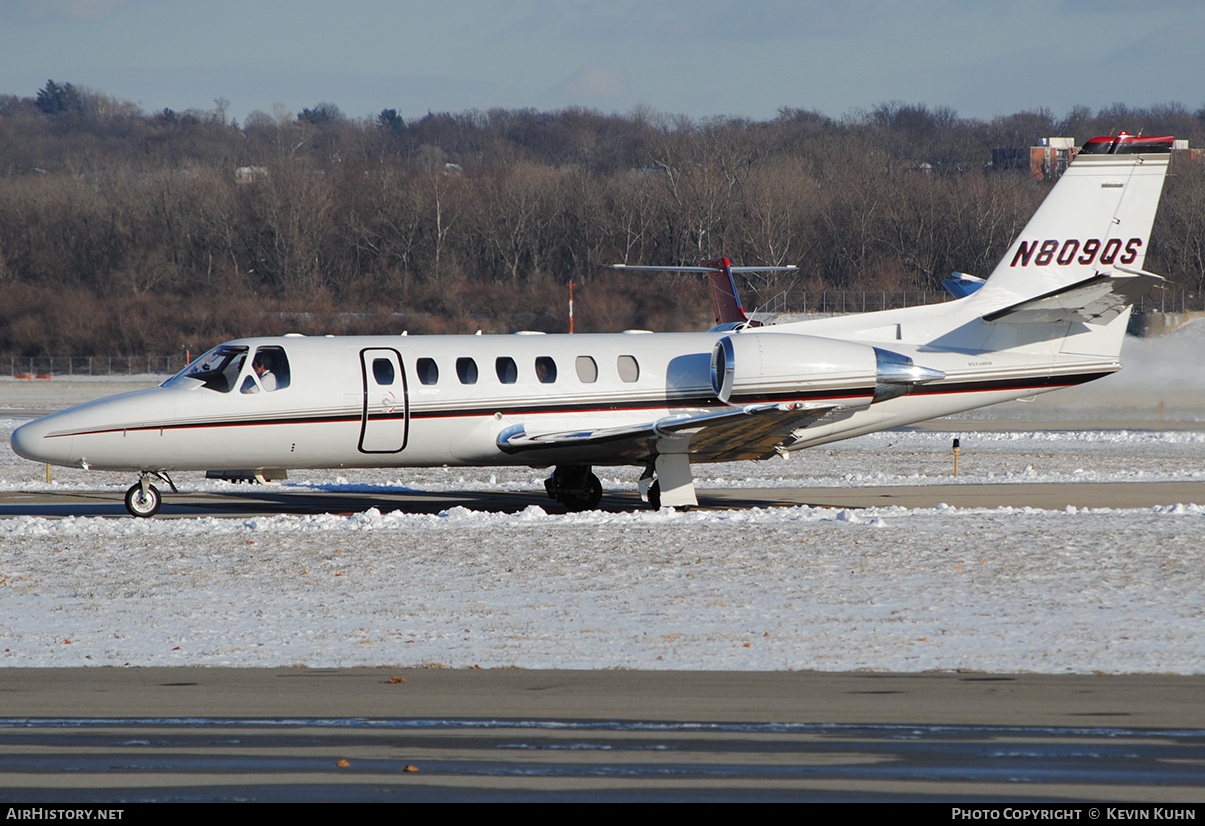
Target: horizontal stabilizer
(1096, 300)
(729, 312)
(960, 285)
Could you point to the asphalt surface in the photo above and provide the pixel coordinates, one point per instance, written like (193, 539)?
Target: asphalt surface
(183, 734)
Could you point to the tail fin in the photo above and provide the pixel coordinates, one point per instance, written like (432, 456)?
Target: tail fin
(1097, 219)
(724, 298)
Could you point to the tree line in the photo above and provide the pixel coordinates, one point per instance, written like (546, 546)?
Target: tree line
(123, 231)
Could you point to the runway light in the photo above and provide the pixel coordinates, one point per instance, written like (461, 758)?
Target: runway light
(956, 445)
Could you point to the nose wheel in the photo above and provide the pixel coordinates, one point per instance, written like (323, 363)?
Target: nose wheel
(143, 499)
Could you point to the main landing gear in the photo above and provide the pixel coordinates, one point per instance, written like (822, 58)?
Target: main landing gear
(144, 499)
(667, 480)
(575, 487)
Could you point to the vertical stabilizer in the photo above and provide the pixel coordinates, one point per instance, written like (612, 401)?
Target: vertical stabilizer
(724, 298)
(1097, 218)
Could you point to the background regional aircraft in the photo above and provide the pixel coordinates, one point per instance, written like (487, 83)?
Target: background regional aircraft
(1053, 313)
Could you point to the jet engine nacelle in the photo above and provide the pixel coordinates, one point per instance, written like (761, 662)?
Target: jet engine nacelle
(754, 367)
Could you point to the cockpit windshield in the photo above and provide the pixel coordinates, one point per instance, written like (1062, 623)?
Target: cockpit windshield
(219, 368)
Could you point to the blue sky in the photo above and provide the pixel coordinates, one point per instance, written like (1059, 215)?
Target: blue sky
(696, 57)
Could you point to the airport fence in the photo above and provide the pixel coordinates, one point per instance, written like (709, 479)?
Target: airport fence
(37, 367)
(1173, 301)
(838, 302)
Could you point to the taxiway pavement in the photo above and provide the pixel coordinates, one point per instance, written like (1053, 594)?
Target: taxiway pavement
(201, 734)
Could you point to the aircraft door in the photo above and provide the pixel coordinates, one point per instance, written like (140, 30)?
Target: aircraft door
(385, 424)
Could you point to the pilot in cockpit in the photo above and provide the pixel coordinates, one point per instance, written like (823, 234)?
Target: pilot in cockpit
(263, 368)
(262, 365)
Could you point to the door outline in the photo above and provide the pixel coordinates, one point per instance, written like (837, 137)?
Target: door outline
(379, 429)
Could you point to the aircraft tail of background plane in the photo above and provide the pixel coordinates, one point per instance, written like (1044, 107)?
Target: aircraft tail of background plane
(725, 300)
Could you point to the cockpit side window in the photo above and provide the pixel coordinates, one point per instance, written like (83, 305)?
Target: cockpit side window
(274, 360)
(269, 371)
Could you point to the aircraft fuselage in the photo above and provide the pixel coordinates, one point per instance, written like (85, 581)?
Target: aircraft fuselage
(386, 401)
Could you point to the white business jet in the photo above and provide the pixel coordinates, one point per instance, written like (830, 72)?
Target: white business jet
(1051, 314)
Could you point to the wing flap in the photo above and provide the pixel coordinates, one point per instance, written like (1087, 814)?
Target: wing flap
(751, 432)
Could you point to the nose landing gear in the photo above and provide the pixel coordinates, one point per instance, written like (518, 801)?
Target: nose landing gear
(143, 499)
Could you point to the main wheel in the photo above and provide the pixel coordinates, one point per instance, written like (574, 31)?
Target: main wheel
(594, 498)
(587, 499)
(144, 505)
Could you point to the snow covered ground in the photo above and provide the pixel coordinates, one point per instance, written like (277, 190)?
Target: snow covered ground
(799, 588)
(791, 588)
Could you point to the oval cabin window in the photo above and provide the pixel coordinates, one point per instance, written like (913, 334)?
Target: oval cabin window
(466, 370)
(629, 370)
(428, 372)
(508, 373)
(587, 369)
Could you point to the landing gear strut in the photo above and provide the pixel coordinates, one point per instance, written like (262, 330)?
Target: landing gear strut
(575, 487)
(144, 499)
(667, 481)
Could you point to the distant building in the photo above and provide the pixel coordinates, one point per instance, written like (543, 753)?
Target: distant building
(247, 174)
(1180, 151)
(1049, 159)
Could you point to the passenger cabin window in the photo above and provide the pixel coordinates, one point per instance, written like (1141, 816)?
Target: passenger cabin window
(382, 372)
(269, 371)
(587, 369)
(508, 373)
(545, 370)
(428, 373)
(629, 370)
(466, 370)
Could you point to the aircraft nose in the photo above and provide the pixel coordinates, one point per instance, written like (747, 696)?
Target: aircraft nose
(33, 441)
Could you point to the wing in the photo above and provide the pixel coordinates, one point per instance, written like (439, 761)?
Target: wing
(752, 432)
